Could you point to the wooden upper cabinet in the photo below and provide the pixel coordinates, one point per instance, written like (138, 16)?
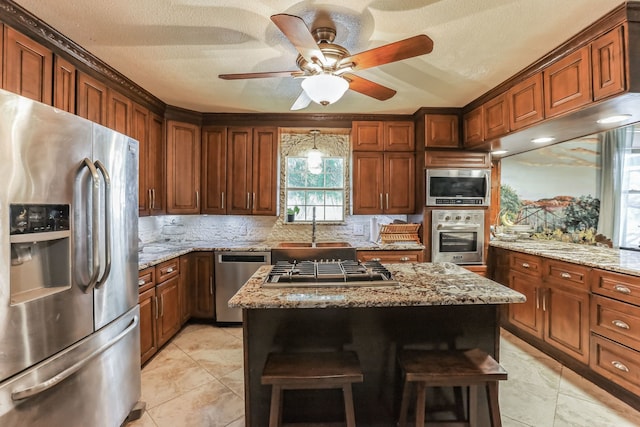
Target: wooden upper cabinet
(156, 165)
(119, 112)
(239, 170)
(399, 183)
(27, 67)
(607, 62)
(368, 181)
(496, 117)
(214, 170)
(567, 83)
(265, 173)
(2, 55)
(472, 123)
(456, 159)
(441, 131)
(398, 136)
(91, 99)
(183, 168)
(140, 132)
(526, 102)
(367, 136)
(64, 85)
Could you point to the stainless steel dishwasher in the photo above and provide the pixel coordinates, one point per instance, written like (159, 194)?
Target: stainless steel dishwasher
(232, 270)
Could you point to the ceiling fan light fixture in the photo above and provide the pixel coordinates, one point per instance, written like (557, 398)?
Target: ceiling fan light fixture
(325, 89)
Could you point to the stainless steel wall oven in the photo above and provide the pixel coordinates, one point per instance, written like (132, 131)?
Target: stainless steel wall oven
(457, 236)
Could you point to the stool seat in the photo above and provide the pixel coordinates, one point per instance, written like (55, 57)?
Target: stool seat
(306, 371)
(428, 368)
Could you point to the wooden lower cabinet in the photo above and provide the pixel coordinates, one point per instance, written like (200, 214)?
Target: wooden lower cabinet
(567, 321)
(203, 302)
(148, 310)
(478, 269)
(168, 309)
(528, 315)
(391, 257)
(184, 287)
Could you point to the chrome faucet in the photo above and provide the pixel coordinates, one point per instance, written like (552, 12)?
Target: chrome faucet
(313, 227)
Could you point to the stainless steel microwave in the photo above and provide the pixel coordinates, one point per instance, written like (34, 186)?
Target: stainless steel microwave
(458, 187)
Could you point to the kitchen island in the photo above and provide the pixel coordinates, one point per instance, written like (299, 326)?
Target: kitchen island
(432, 305)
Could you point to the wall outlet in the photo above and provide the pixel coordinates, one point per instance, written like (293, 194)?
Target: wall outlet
(358, 229)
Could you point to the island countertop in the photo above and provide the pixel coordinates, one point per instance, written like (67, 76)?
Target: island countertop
(421, 284)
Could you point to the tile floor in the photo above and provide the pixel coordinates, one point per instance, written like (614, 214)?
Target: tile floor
(196, 381)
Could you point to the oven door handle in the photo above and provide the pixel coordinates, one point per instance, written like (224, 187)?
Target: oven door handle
(470, 227)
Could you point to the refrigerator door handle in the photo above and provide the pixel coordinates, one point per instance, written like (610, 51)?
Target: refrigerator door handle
(57, 379)
(95, 190)
(107, 222)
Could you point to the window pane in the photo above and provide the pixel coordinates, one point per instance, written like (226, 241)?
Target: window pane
(296, 172)
(295, 197)
(334, 198)
(334, 170)
(333, 213)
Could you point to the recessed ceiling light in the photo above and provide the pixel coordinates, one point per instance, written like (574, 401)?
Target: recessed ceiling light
(499, 152)
(614, 119)
(543, 139)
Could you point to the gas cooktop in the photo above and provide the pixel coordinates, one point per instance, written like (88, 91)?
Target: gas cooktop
(328, 274)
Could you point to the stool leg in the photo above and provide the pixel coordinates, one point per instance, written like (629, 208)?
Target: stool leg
(420, 403)
(348, 405)
(275, 412)
(404, 404)
(473, 406)
(494, 405)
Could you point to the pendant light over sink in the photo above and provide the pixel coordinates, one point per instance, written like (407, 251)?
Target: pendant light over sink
(314, 156)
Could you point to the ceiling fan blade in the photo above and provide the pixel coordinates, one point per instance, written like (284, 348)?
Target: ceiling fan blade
(303, 101)
(369, 88)
(299, 35)
(261, 75)
(392, 52)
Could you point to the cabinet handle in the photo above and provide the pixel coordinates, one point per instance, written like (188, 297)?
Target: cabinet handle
(387, 196)
(197, 199)
(619, 365)
(253, 203)
(620, 324)
(153, 204)
(565, 275)
(404, 259)
(537, 299)
(150, 195)
(381, 207)
(161, 305)
(223, 200)
(375, 259)
(544, 301)
(141, 282)
(170, 270)
(210, 285)
(156, 300)
(247, 200)
(622, 289)
(525, 265)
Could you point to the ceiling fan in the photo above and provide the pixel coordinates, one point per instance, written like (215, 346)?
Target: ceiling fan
(327, 68)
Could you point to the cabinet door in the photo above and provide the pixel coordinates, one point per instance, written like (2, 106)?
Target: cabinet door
(139, 131)
(441, 131)
(472, 123)
(64, 85)
(91, 99)
(184, 288)
(368, 177)
(203, 302)
(214, 170)
(526, 102)
(527, 316)
(118, 112)
(456, 159)
(567, 83)
(156, 164)
(398, 136)
(28, 67)
(391, 257)
(399, 183)
(367, 136)
(183, 168)
(265, 171)
(239, 182)
(148, 315)
(567, 321)
(168, 309)
(607, 61)
(496, 117)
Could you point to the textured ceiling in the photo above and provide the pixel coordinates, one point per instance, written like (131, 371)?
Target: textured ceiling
(175, 49)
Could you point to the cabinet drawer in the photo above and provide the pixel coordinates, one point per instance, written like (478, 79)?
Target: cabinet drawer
(167, 270)
(527, 264)
(616, 320)
(615, 285)
(146, 279)
(567, 274)
(390, 257)
(616, 362)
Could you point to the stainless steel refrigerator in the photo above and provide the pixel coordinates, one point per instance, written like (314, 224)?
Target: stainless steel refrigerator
(69, 319)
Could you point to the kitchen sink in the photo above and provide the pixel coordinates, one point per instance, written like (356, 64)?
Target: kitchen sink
(314, 245)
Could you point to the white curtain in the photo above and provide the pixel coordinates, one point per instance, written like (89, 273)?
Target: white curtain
(614, 144)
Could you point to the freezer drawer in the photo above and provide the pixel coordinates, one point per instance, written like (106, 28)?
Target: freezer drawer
(95, 382)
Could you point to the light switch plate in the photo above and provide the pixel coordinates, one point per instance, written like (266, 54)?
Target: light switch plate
(358, 229)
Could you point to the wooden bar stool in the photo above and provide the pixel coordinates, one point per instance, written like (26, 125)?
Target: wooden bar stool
(306, 371)
(430, 368)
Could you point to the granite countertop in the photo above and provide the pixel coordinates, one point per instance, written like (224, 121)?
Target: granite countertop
(157, 252)
(420, 284)
(621, 261)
